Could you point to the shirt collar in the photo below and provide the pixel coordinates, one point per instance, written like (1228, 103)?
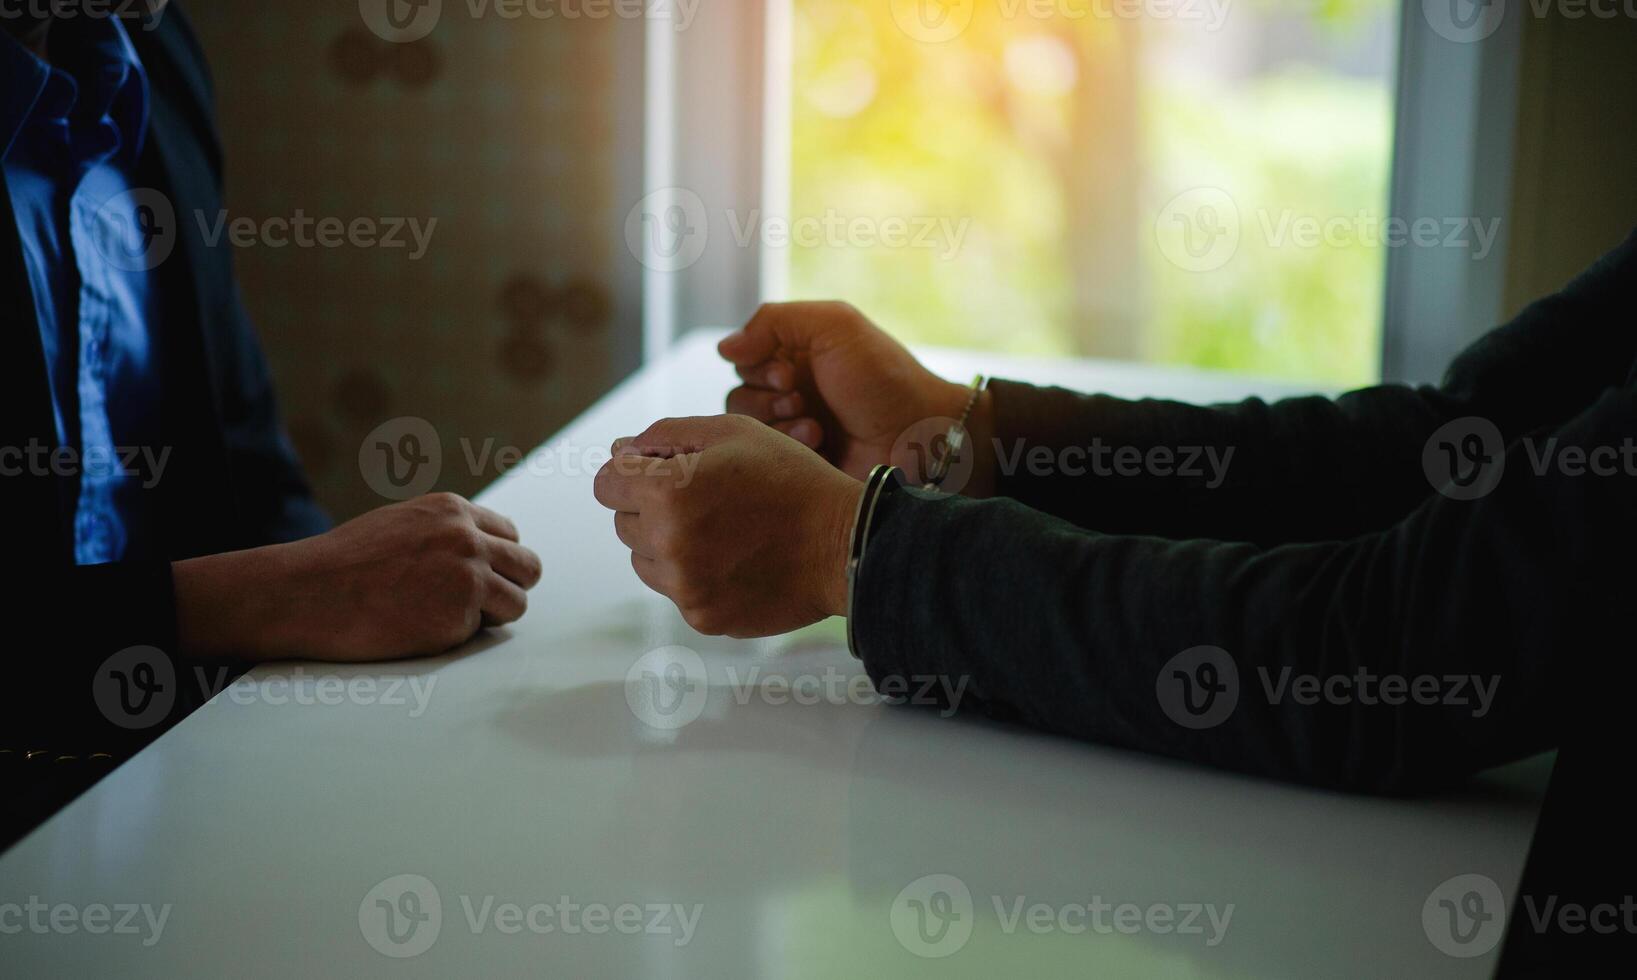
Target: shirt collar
(22, 79)
(96, 78)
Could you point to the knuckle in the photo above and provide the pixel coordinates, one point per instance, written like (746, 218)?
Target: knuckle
(692, 593)
(463, 540)
(459, 629)
(471, 584)
(445, 502)
(702, 620)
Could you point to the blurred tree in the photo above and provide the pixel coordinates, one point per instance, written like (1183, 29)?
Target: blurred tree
(1047, 146)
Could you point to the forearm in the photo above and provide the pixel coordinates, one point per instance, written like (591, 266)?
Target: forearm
(227, 605)
(1069, 629)
(1296, 470)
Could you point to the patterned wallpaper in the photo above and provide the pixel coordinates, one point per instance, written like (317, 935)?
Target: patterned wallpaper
(497, 129)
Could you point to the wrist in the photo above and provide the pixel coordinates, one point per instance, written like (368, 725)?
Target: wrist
(224, 604)
(950, 402)
(980, 434)
(835, 535)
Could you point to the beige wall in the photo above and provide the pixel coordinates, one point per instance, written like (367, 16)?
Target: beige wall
(499, 129)
(1574, 191)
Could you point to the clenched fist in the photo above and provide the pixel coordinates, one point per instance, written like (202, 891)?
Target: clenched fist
(413, 578)
(831, 379)
(745, 529)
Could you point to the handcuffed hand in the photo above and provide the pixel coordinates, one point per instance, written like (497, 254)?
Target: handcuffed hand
(831, 379)
(745, 529)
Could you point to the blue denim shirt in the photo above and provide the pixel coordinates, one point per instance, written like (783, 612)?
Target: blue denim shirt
(71, 132)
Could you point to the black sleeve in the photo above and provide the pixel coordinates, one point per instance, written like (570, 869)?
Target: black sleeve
(95, 678)
(66, 698)
(1075, 631)
(1310, 469)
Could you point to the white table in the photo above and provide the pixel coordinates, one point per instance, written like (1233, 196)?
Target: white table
(792, 830)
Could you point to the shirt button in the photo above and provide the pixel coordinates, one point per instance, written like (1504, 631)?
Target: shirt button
(94, 535)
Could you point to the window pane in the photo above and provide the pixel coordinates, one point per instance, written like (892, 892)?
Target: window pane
(1181, 181)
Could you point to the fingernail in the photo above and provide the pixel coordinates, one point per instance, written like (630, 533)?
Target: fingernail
(785, 407)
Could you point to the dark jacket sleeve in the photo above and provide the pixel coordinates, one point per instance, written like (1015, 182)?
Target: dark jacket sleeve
(62, 701)
(1076, 627)
(1308, 469)
(96, 677)
(1074, 631)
